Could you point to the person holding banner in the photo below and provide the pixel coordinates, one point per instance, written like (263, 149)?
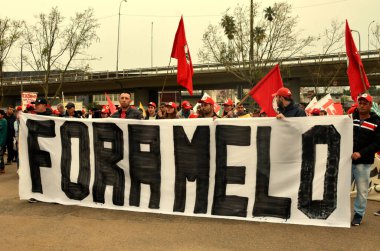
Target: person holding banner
(70, 111)
(286, 105)
(126, 111)
(3, 138)
(366, 144)
(41, 107)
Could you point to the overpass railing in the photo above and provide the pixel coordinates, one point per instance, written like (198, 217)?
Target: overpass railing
(78, 76)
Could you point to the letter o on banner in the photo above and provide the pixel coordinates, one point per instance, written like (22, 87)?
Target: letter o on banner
(319, 209)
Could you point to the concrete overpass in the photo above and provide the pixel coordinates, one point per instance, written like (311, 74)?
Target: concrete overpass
(296, 72)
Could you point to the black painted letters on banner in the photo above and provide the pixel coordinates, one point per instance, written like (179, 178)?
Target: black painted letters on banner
(319, 209)
(266, 205)
(69, 130)
(192, 162)
(37, 157)
(145, 166)
(107, 172)
(229, 205)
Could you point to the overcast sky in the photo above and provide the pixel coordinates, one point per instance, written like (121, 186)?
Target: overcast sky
(137, 17)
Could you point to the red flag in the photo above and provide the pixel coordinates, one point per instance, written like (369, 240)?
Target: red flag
(356, 75)
(263, 90)
(181, 52)
(110, 104)
(338, 109)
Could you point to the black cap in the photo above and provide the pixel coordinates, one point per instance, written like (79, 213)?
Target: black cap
(70, 105)
(2, 112)
(40, 101)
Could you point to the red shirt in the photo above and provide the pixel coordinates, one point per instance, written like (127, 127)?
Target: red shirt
(123, 114)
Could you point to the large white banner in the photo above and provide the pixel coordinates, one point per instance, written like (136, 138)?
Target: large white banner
(295, 170)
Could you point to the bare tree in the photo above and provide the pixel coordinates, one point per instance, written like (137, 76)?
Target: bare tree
(10, 32)
(332, 40)
(274, 38)
(54, 45)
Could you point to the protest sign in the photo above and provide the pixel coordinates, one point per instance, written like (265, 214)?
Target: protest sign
(295, 170)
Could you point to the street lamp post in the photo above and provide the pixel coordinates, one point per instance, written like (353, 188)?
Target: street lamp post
(368, 35)
(21, 81)
(118, 35)
(359, 39)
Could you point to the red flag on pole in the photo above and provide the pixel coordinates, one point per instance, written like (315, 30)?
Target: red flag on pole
(262, 92)
(181, 52)
(110, 104)
(356, 75)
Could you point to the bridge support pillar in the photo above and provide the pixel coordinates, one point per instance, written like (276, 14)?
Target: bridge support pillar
(294, 86)
(141, 95)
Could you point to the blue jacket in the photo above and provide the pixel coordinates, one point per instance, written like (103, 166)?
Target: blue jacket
(292, 110)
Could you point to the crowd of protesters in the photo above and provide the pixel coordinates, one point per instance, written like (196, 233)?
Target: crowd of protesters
(366, 127)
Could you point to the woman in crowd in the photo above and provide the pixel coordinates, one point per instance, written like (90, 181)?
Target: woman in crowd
(171, 111)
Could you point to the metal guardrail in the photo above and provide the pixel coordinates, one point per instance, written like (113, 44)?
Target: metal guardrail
(78, 76)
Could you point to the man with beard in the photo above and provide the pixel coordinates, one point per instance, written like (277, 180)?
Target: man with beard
(207, 108)
(366, 144)
(286, 105)
(126, 111)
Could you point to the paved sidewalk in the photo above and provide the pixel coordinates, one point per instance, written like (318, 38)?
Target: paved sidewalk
(45, 226)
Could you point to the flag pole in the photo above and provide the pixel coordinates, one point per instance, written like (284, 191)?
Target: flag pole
(243, 99)
(166, 76)
(362, 78)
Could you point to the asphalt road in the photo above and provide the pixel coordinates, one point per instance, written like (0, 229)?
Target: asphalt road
(45, 226)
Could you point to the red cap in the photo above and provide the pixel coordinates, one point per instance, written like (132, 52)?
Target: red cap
(171, 104)
(105, 109)
(283, 92)
(365, 96)
(352, 108)
(193, 116)
(316, 111)
(207, 100)
(228, 102)
(29, 107)
(186, 105)
(152, 104)
(19, 108)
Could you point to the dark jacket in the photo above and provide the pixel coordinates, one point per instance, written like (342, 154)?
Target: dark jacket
(292, 110)
(147, 116)
(11, 129)
(48, 112)
(3, 132)
(76, 115)
(366, 137)
(131, 114)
